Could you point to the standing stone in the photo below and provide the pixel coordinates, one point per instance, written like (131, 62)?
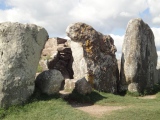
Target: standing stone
(20, 50)
(97, 61)
(139, 58)
(79, 64)
(49, 81)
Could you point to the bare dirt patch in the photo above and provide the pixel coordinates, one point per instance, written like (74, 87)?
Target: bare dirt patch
(92, 109)
(96, 110)
(148, 97)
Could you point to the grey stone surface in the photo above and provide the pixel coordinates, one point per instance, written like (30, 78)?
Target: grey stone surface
(94, 58)
(49, 81)
(62, 61)
(82, 86)
(69, 84)
(57, 54)
(139, 57)
(48, 53)
(20, 50)
(79, 64)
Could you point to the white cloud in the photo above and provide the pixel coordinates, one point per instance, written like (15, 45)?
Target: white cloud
(156, 20)
(105, 15)
(158, 52)
(56, 15)
(51, 14)
(125, 14)
(118, 41)
(156, 32)
(154, 10)
(154, 6)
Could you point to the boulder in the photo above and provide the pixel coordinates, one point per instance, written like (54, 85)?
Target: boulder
(139, 58)
(20, 50)
(96, 61)
(49, 81)
(82, 86)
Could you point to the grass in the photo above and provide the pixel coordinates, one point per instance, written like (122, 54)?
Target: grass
(39, 68)
(55, 108)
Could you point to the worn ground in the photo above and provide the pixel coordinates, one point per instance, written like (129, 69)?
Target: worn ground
(99, 110)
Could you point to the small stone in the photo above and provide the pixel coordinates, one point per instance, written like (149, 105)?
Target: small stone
(133, 87)
(83, 87)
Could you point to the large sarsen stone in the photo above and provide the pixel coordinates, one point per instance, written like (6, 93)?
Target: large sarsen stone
(97, 61)
(139, 58)
(20, 50)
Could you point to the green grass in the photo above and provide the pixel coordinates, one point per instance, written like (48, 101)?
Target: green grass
(55, 108)
(39, 68)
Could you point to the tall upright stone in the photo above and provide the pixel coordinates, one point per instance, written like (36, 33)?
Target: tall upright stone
(96, 57)
(20, 50)
(139, 58)
(79, 64)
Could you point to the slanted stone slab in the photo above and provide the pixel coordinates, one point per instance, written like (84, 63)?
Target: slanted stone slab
(20, 50)
(94, 58)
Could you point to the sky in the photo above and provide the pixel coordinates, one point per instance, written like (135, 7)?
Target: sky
(110, 17)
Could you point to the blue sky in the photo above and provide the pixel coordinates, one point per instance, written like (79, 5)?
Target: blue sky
(106, 16)
(3, 5)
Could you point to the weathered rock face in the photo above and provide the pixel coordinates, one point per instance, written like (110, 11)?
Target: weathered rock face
(99, 57)
(139, 58)
(63, 59)
(50, 51)
(20, 50)
(50, 47)
(49, 81)
(83, 87)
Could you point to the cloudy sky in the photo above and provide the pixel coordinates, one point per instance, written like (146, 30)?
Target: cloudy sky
(106, 16)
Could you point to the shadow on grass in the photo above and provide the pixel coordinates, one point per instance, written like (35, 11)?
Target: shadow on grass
(91, 98)
(73, 97)
(122, 93)
(38, 96)
(147, 91)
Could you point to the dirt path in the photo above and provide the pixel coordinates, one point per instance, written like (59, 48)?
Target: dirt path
(96, 110)
(148, 97)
